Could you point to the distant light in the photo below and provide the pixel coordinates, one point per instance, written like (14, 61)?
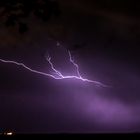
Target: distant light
(9, 133)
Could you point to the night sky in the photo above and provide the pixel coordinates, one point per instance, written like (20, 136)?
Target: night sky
(103, 38)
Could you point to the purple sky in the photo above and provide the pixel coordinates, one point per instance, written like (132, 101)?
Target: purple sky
(34, 103)
(31, 103)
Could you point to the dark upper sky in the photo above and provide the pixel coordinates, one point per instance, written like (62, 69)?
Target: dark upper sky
(107, 20)
(103, 37)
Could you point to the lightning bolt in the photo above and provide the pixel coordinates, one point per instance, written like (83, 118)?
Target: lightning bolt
(58, 75)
